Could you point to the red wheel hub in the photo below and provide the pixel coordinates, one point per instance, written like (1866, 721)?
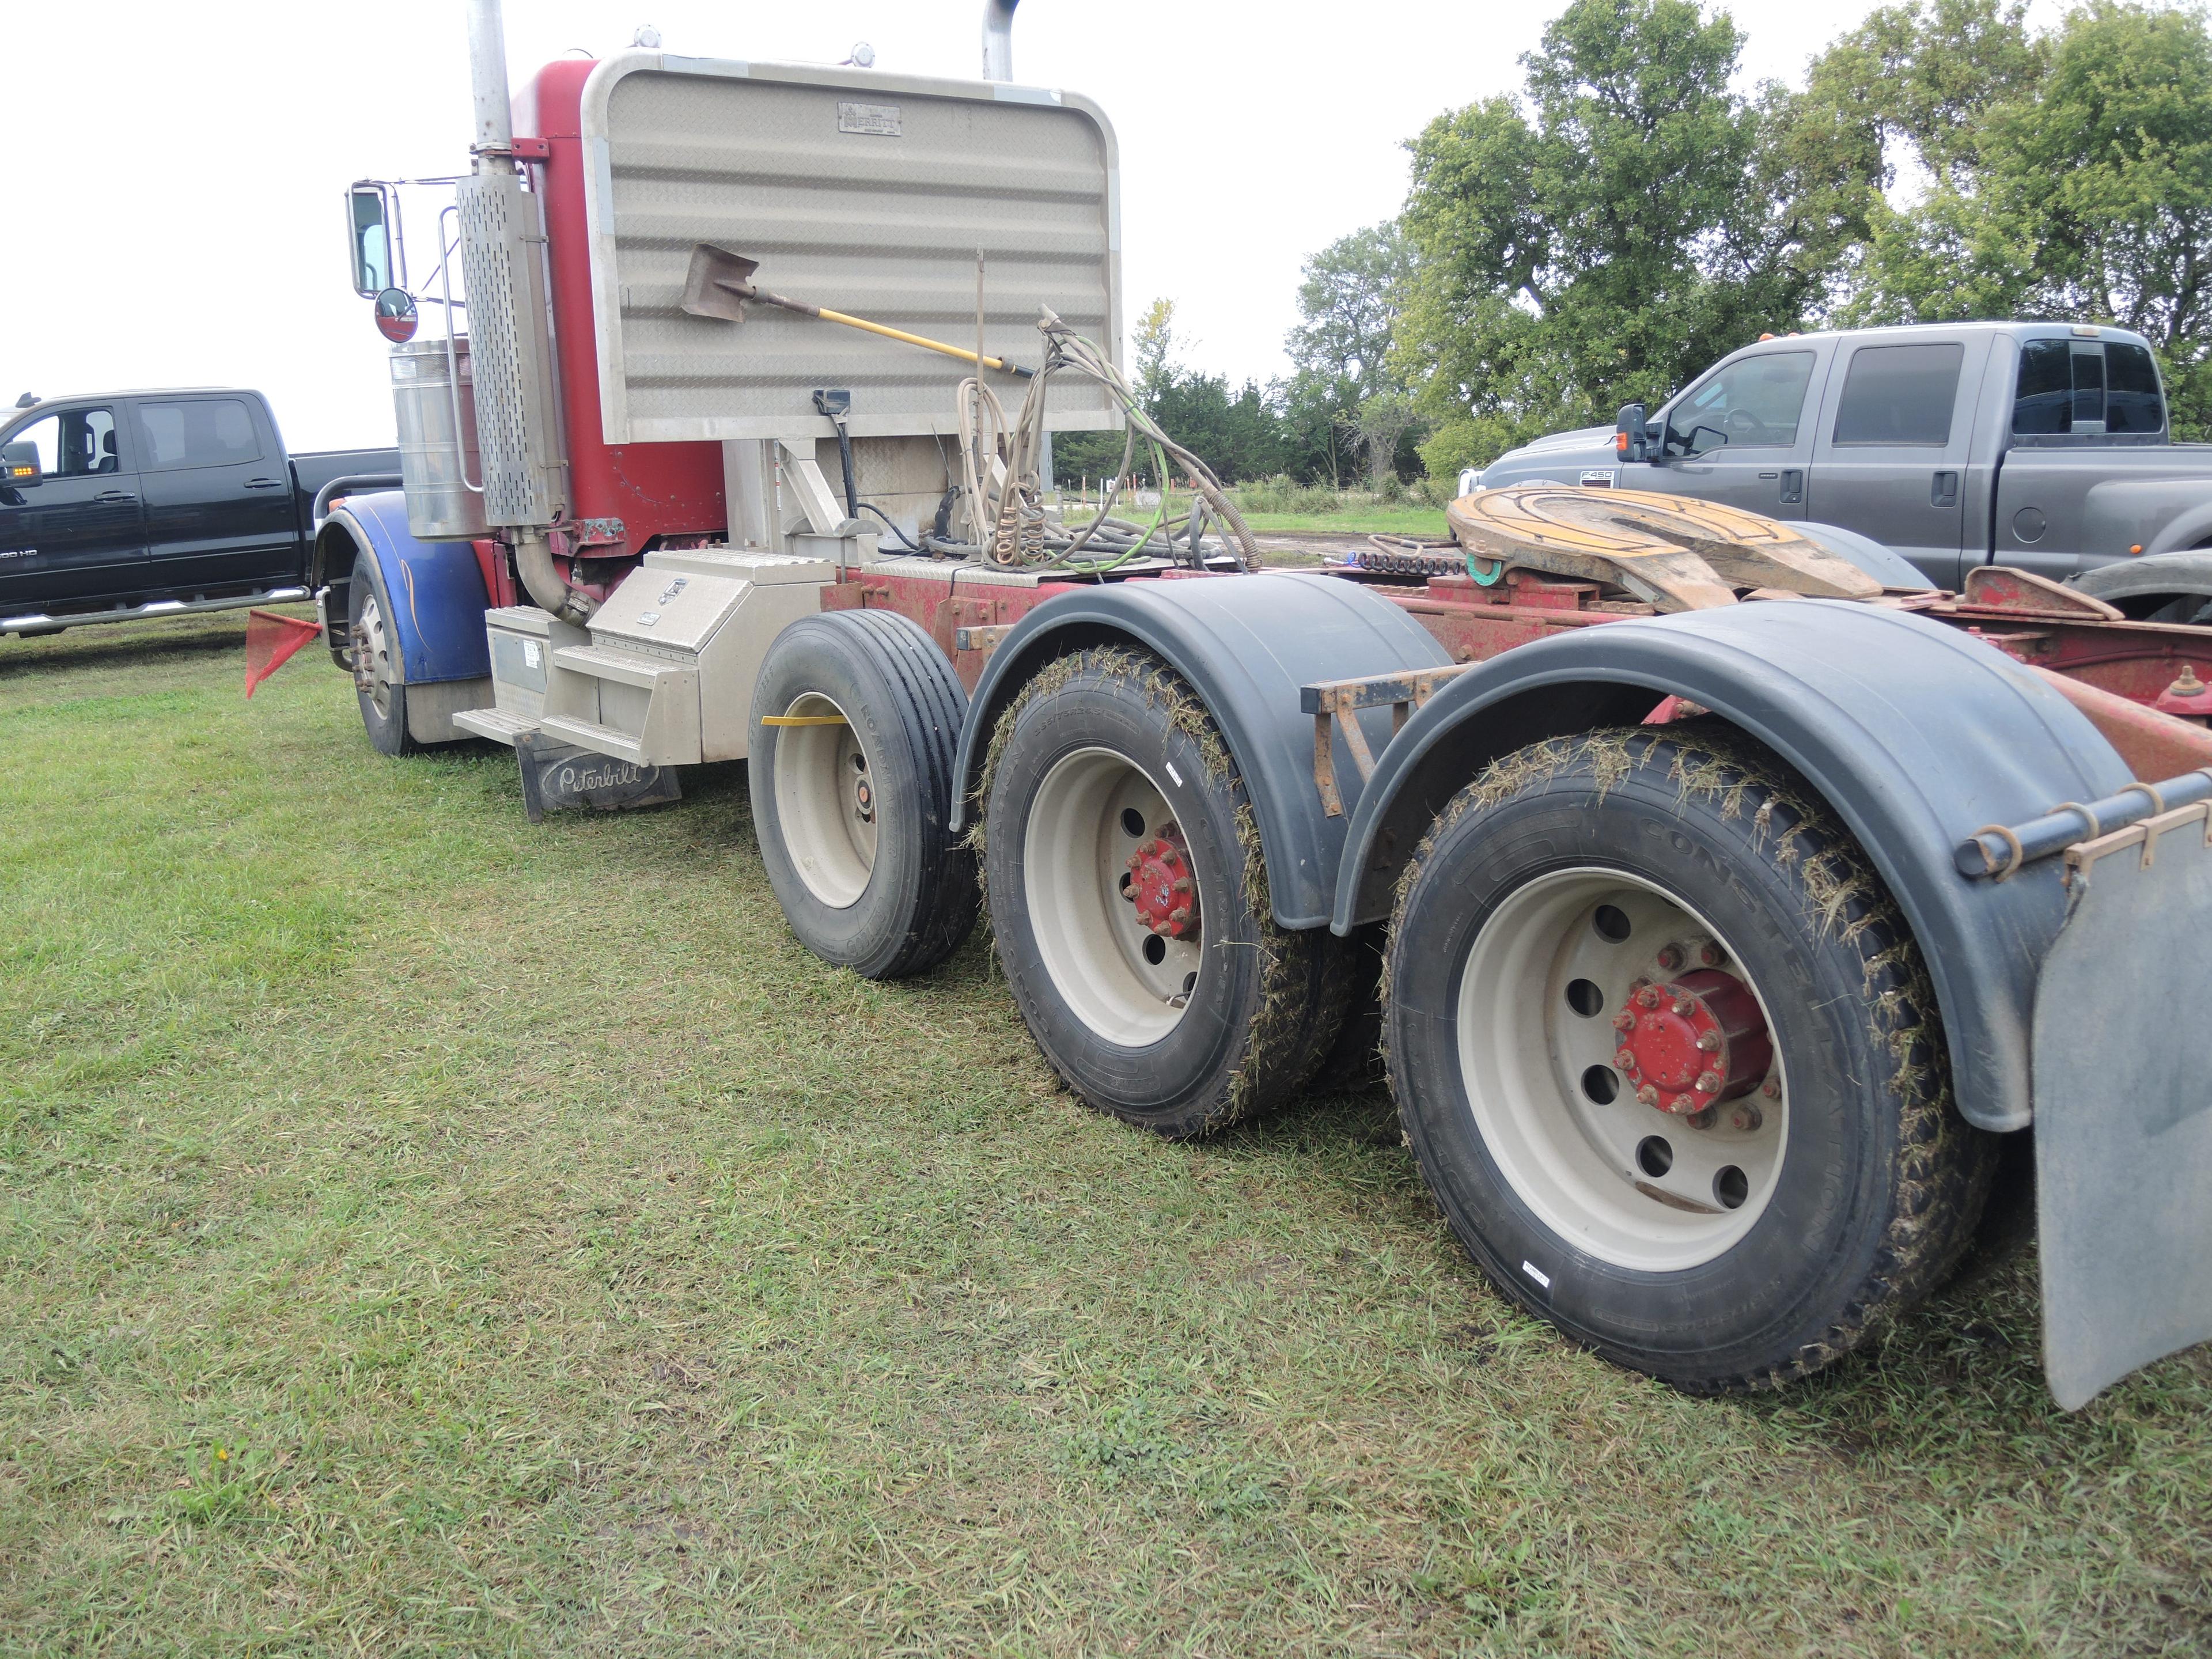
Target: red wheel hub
(1160, 886)
(1692, 1042)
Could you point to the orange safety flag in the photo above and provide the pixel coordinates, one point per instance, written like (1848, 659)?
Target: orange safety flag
(270, 641)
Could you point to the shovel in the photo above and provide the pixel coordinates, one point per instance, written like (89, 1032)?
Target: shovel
(720, 284)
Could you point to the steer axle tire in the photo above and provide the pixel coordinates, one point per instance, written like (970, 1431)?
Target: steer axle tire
(1670, 1059)
(1128, 898)
(856, 718)
(379, 666)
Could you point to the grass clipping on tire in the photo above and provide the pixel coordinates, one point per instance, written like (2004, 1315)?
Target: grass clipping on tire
(1946, 1164)
(1289, 1017)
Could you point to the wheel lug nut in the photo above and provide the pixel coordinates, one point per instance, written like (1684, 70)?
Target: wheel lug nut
(1709, 1083)
(1648, 1095)
(1701, 1120)
(1625, 1059)
(1709, 955)
(1746, 1116)
(1624, 1021)
(1683, 1005)
(1648, 997)
(1709, 1041)
(1682, 1105)
(1771, 1088)
(1671, 956)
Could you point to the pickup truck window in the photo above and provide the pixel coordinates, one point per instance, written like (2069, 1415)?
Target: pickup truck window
(2074, 386)
(1751, 403)
(1899, 394)
(205, 432)
(74, 444)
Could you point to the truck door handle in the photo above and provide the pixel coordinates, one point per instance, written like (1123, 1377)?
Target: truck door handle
(264, 484)
(1944, 491)
(115, 495)
(1793, 486)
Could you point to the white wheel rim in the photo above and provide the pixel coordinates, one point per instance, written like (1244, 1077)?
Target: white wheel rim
(1127, 983)
(825, 802)
(377, 682)
(1530, 1057)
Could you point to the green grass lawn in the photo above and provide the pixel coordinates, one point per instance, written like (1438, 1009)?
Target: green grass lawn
(424, 1233)
(1427, 522)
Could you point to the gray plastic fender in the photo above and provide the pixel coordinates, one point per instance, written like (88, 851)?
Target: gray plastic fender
(1915, 733)
(1246, 644)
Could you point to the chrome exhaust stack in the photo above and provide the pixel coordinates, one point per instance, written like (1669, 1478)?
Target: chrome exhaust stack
(999, 40)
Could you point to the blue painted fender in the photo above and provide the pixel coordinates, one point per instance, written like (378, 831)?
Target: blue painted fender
(437, 589)
(1246, 644)
(1915, 733)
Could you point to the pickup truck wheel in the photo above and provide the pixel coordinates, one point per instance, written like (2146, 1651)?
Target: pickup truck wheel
(856, 718)
(1128, 897)
(379, 675)
(1670, 1060)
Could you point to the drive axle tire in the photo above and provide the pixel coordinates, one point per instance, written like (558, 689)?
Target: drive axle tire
(380, 668)
(1671, 1062)
(1128, 895)
(852, 800)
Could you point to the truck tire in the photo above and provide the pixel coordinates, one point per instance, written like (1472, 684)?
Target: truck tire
(2166, 587)
(853, 810)
(1602, 933)
(379, 669)
(1128, 894)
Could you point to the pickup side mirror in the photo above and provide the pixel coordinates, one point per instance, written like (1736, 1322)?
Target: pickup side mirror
(1632, 436)
(19, 465)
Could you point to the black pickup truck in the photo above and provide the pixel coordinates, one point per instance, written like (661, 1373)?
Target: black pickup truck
(133, 504)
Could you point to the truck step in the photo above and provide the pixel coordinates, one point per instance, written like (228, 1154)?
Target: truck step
(603, 662)
(600, 739)
(500, 724)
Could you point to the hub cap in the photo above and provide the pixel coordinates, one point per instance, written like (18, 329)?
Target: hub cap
(372, 656)
(825, 799)
(1618, 1062)
(1112, 898)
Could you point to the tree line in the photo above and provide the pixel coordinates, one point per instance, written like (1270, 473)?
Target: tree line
(1628, 216)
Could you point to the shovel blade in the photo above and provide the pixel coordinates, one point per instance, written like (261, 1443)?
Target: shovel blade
(714, 285)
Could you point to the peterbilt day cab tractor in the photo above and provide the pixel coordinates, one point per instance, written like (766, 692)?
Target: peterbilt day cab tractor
(1740, 927)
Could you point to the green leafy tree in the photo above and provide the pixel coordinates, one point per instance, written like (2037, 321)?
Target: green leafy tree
(1604, 237)
(2083, 194)
(1340, 351)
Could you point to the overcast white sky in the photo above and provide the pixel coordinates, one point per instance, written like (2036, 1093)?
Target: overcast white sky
(175, 169)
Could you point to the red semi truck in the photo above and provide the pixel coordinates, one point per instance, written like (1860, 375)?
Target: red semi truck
(1742, 934)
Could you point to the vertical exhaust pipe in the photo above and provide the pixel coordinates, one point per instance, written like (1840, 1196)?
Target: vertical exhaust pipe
(493, 147)
(494, 127)
(999, 40)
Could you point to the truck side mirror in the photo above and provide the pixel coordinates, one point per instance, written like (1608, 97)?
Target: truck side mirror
(19, 465)
(369, 221)
(1632, 434)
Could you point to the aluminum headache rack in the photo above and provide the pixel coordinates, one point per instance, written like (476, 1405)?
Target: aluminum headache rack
(2122, 1086)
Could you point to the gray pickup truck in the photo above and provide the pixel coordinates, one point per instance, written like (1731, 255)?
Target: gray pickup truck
(2042, 446)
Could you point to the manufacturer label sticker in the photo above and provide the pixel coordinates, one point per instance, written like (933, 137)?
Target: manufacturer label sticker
(531, 656)
(877, 120)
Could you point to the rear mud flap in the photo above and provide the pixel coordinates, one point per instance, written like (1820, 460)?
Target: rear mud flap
(2123, 1107)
